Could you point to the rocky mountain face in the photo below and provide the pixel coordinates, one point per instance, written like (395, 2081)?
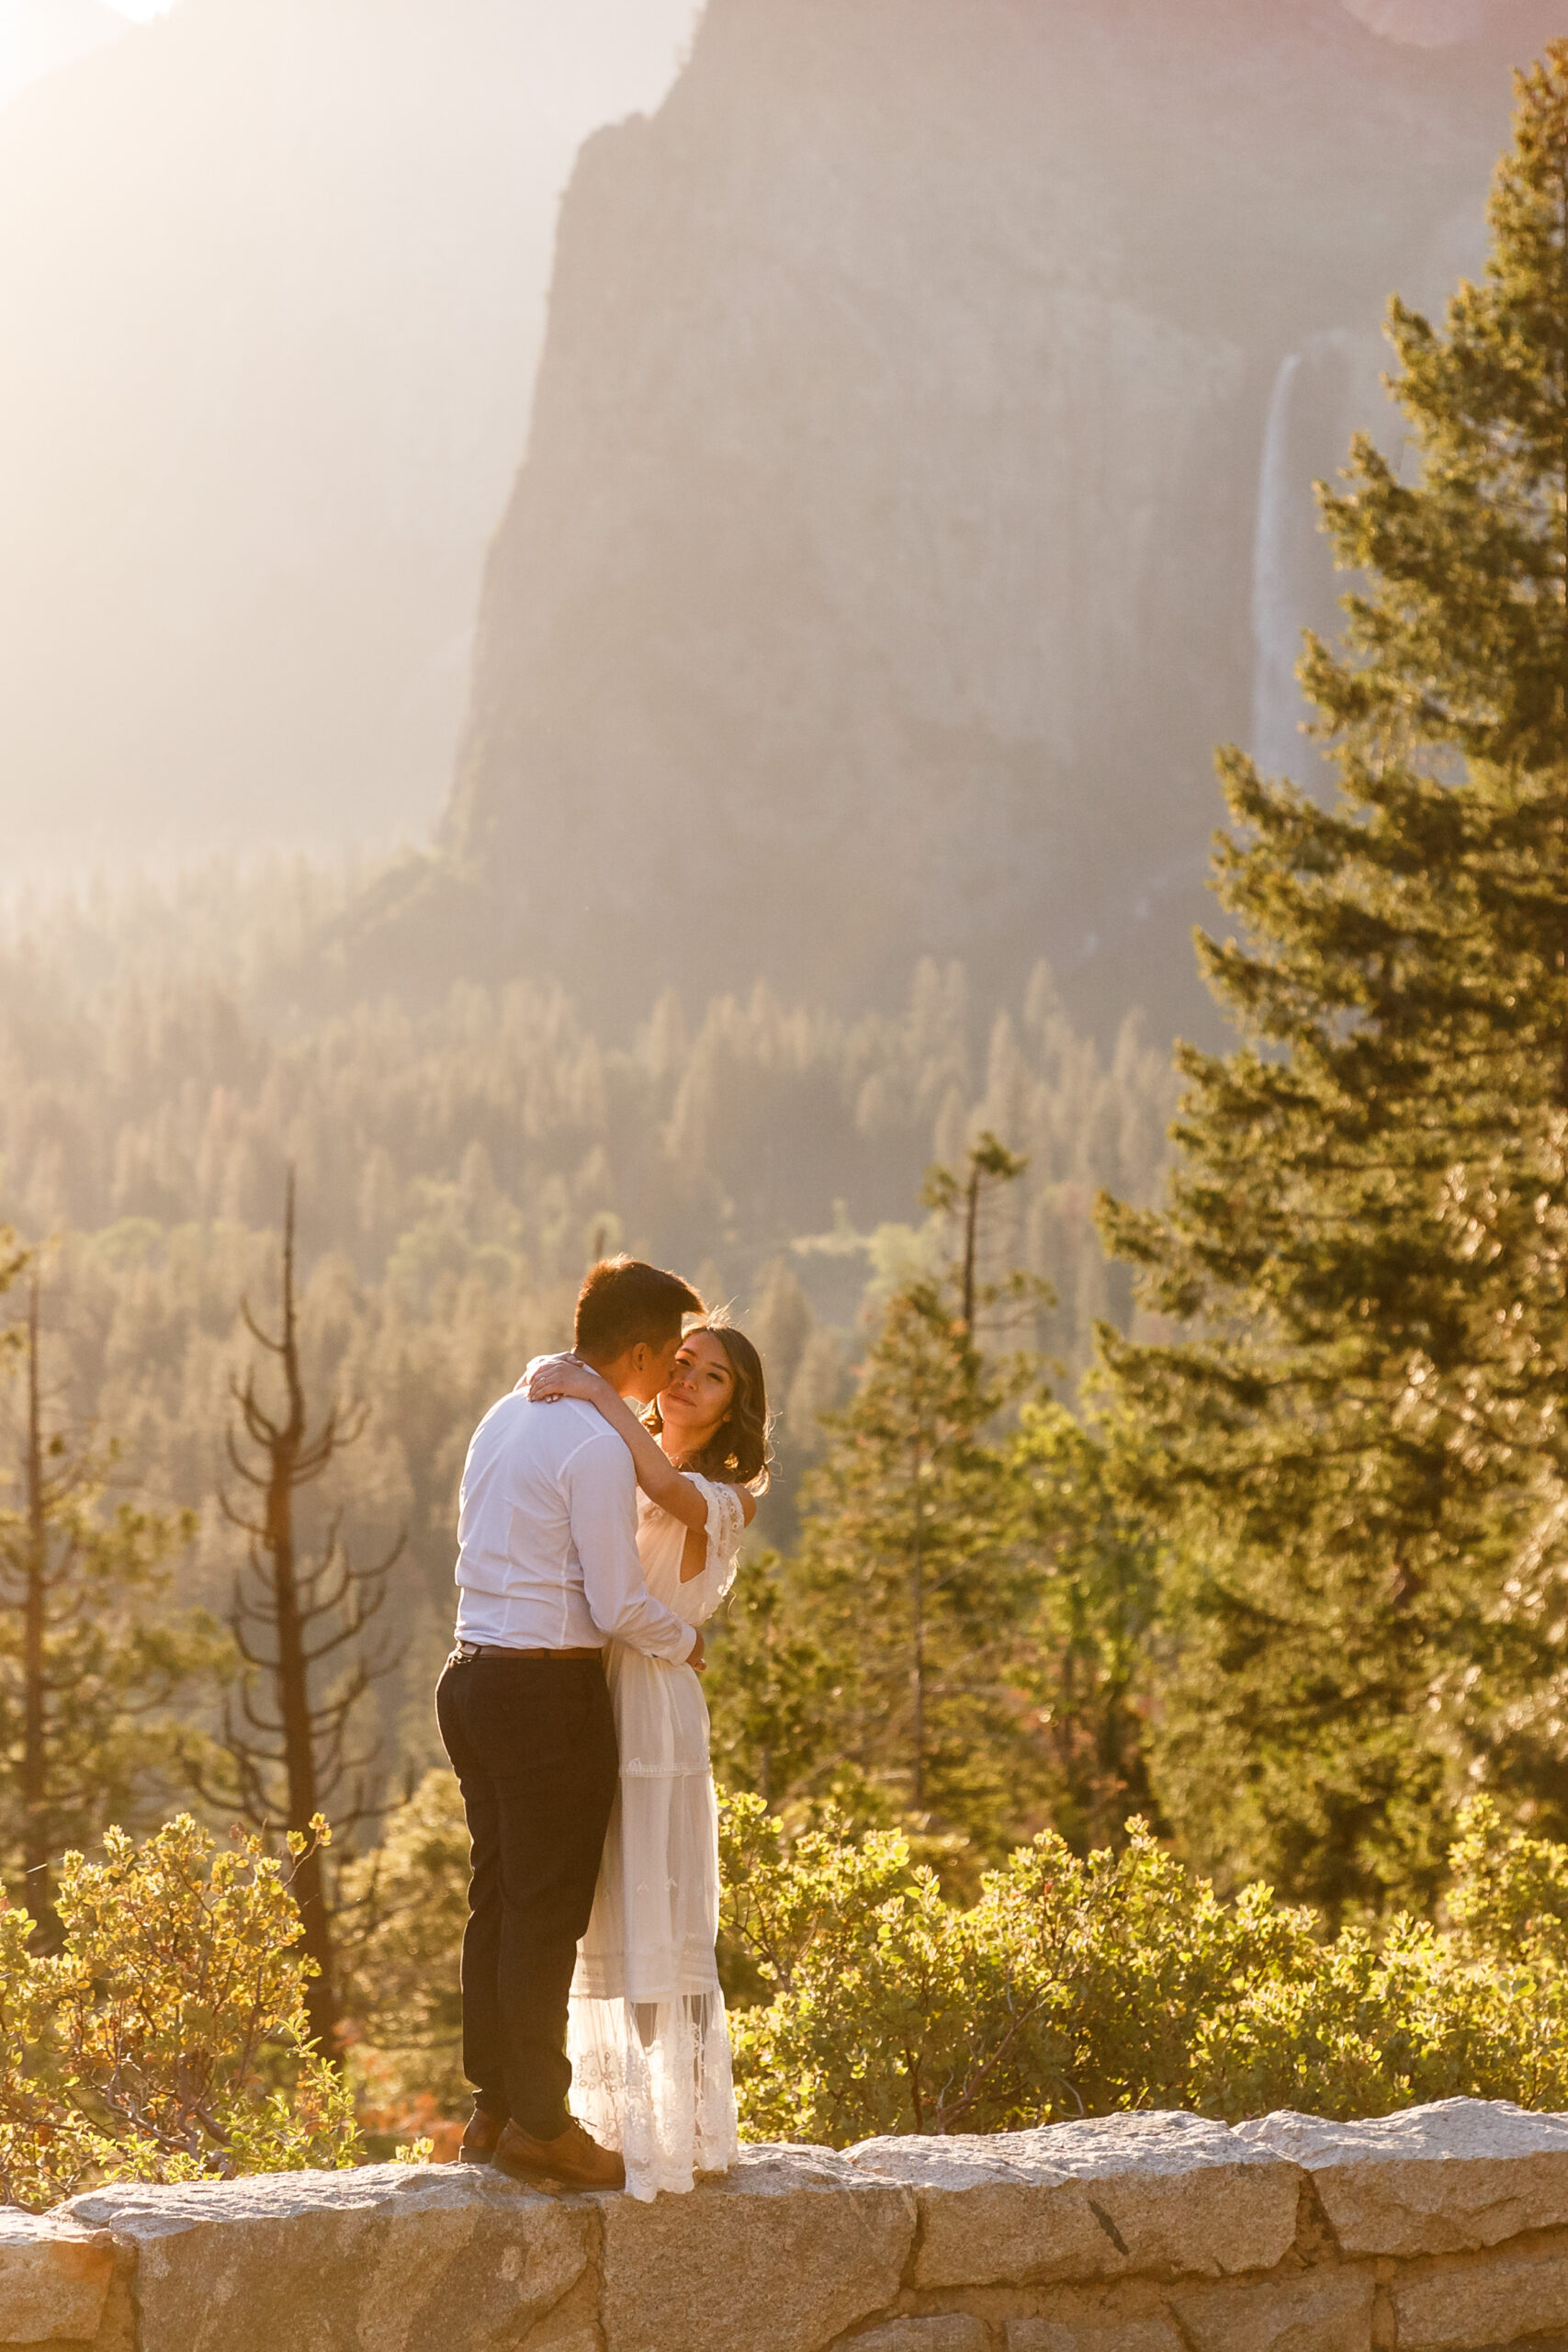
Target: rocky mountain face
(918, 481)
(271, 276)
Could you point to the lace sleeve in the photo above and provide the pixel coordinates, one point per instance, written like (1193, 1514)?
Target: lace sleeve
(726, 1525)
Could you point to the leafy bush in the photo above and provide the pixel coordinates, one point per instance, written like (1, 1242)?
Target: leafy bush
(167, 2040)
(1084, 1987)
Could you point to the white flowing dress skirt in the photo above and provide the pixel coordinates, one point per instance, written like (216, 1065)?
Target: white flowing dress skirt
(646, 2034)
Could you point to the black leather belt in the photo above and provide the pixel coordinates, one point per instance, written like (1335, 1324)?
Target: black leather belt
(463, 1650)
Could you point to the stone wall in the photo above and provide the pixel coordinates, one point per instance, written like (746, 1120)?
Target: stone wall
(1441, 2230)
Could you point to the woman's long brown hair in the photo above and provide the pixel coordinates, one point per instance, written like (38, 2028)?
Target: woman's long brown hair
(739, 1452)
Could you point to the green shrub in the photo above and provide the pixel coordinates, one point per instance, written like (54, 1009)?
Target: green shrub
(167, 2040)
(1085, 1987)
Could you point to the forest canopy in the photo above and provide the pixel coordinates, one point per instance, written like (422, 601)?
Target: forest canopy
(164, 1063)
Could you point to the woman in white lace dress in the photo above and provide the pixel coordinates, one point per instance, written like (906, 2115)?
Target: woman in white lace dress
(647, 2036)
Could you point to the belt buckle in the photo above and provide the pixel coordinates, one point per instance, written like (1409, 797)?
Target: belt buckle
(462, 1652)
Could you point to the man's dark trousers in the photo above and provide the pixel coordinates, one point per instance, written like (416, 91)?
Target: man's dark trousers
(532, 1743)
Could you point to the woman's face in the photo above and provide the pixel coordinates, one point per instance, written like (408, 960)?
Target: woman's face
(698, 1395)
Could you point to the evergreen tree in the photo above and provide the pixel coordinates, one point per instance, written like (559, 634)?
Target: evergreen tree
(1360, 1440)
(771, 1686)
(89, 1665)
(1092, 1672)
(963, 1198)
(909, 1554)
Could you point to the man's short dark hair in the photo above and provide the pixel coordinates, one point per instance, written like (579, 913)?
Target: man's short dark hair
(624, 1304)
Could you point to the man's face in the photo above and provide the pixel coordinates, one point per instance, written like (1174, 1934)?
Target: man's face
(652, 1368)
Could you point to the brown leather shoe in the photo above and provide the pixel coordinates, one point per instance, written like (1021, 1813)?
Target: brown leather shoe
(480, 2139)
(572, 2158)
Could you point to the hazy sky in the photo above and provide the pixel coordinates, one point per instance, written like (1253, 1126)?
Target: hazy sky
(185, 479)
(1418, 19)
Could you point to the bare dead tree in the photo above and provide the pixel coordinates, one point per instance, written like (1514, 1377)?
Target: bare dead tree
(301, 1622)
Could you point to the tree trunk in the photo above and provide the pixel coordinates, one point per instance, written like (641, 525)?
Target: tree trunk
(36, 1840)
(293, 1681)
(917, 1602)
(971, 1232)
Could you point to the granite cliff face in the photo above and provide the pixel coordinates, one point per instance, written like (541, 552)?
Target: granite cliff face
(919, 475)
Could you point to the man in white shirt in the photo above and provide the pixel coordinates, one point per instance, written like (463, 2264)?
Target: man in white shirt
(547, 1572)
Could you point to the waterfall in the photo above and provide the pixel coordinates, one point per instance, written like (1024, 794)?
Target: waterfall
(1425, 24)
(1320, 392)
(1276, 620)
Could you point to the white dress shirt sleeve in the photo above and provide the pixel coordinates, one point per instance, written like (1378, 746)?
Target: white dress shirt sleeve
(600, 1492)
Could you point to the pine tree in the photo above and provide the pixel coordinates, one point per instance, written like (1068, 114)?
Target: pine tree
(963, 1198)
(1359, 1437)
(90, 1662)
(908, 1552)
(1091, 1675)
(771, 1686)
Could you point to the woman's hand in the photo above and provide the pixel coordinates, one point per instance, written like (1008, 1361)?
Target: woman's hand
(656, 1473)
(567, 1376)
